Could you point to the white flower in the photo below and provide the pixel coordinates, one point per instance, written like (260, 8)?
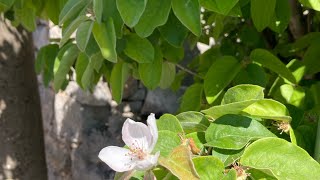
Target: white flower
(141, 140)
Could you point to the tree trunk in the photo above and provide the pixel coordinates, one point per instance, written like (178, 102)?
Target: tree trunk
(21, 134)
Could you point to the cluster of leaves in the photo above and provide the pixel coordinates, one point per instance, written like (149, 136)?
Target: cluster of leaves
(207, 144)
(254, 45)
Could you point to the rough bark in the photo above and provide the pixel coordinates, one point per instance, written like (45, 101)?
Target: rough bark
(21, 135)
(296, 25)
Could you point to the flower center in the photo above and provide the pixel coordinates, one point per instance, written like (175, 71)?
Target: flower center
(137, 151)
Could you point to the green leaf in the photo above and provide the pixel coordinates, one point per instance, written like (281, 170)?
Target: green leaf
(231, 175)
(268, 60)
(98, 9)
(168, 75)
(198, 139)
(52, 9)
(167, 141)
(173, 31)
(45, 62)
(252, 74)
(314, 4)
(244, 92)
(234, 132)
(171, 53)
(170, 123)
(283, 159)
(220, 74)
(81, 65)
(88, 77)
(139, 49)
(262, 13)
(208, 167)
(268, 109)
(105, 36)
(193, 121)
(83, 34)
(26, 16)
(191, 99)
(231, 108)
(71, 28)
(221, 7)
(155, 14)
(71, 9)
(188, 12)
(67, 61)
(150, 73)
(281, 17)
(5, 5)
(293, 95)
(180, 164)
(110, 11)
(227, 156)
(119, 76)
(311, 58)
(131, 10)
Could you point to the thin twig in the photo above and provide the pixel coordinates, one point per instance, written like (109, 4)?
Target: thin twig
(189, 71)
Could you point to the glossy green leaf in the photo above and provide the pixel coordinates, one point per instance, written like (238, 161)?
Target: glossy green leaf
(110, 11)
(234, 132)
(314, 4)
(227, 156)
(191, 99)
(67, 61)
(5, 5)
(311, 58)
(192, 121)
(168, 75)
(88, 77)
(220, 74)
(173, 31)
(52, 9)
(171, 53)
(72, 28)
(155, 14)
(83, 34)
(231, 175)
(26, 16)
(281, 16)
(268, 109)
(268, 60)
(188, 12)
(221, 7)
(262, 13)
(131, 10)
(170, 123)
(150, 73)
(167, 141)
(198, 139)
(139, 49)
(231, 108)
(45, 62)
(71, 9)
(244, 92)
(81, 65)
(208, 167)
(283, 159)
(105, 36)
(293, 95)
(119, 76)
(98, 9)
(252, 74)
(180, 164)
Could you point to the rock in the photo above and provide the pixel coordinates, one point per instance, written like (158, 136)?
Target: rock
(161, 101)
(139, 95)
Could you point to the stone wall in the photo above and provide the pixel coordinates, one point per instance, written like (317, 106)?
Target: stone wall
(78, 124)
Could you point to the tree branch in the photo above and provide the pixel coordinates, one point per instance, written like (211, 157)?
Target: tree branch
(296, 27)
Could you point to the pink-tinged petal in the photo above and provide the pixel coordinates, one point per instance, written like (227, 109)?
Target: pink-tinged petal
(147, 163)
(151, 121)
(136, 135)
(117, 158)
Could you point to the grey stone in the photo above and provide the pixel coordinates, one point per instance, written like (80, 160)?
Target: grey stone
(161, 101)
(139, 95)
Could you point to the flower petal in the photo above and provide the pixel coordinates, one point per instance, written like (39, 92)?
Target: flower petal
(148, 162)
(136, 135)
(151, 121)
(117, 158)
